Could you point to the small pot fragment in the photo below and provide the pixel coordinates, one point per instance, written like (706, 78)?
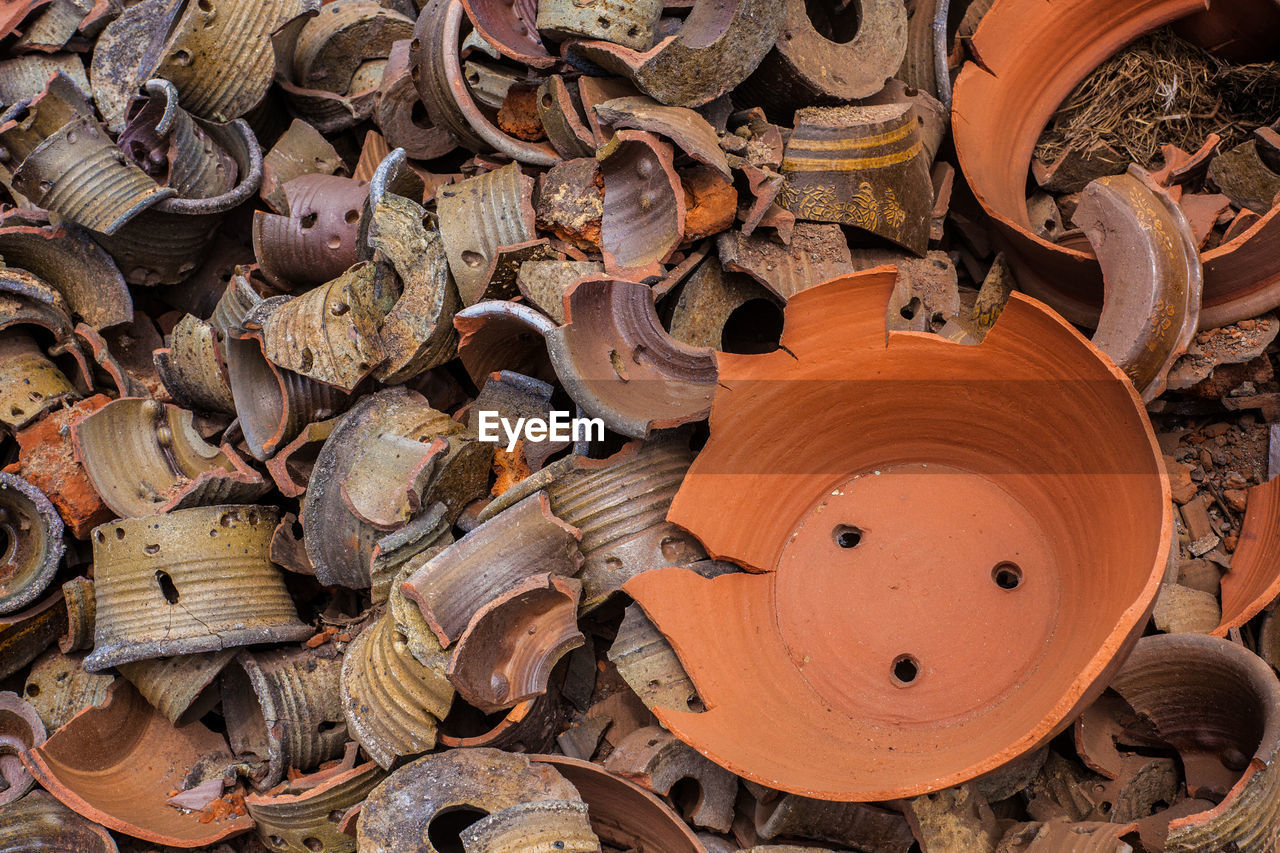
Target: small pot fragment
(630, 25)
(500, 335)
(284, 709)
(181, 688)
(156, 596)
(816, 253)
(649, 665)
(402, 811)
(396, 111)
(1253, 582)
(82, 608)
(40, 822)
(618, 363)
(644, 207)
(145, 457)
(20, 730)
(511, 29)
(24, 635)
(654, 758)
(717, 47)
(58, 688)
(314, 239)
(479, 217)
(857, 825)
(117, 763)
(454, 586)
(545, 825)
(506, 654)
(308, 814)
(30, 384)
(192, 369)
(32, 539)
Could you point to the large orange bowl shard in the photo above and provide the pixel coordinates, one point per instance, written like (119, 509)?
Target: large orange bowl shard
(948, 548)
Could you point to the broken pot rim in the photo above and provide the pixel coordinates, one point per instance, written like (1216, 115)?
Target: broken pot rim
(1086, 685)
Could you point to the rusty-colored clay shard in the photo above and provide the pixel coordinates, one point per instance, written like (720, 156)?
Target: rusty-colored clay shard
(709, 299)
(192, 370)
(391, 700)
(284, 708)
(40, 822)
(863, 45)
(291, 467)
(32, 533)
(452, 587)
(644, 207)
(24, 635)
(413, 544)
(808, 513)
(192, 580)
(445, 94)
(501, 335)
(311, 810)
(1181, 684)
(396, 111)
(544, 283)
(618, 363)
(1152, 274)
(478, 217)
(857, 825)
(622, 813)
(718, 46)
(314, 240)
(629, 24)
(46, 459)
(180, 688)
(58, 687)
(860, 166)
(30, 384)
(1027, 78)
(302, 150)
(654, 758)
(649, 665)
(273, 404)
(562, 121)
(339, 543)
(116, 764)
(145, 457)
(417, 334)
(511, 29)
(20, 730)
(509, 647)
(124, 354)
(816, 253)
(1253, 581)
(330, 333)
(925, 296)
(691, 133)
(543, 825)
(63, 160)
(398, 812)
(571, 202)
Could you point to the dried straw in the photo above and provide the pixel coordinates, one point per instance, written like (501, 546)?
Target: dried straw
(1161, 90)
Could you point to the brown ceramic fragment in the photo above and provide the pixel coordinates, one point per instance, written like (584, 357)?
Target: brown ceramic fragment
(550, 824)
(1253, 582)
(1242, 176)
(24, 635)
(691, 133)
(478, 217)
(649, 665)
(20, 730)
(311, 809)
(644, 207)
(192, 370)
(30, 384)
(32, 532)
(301, 150)
(629, 24)
(58, 688)
(810, 376)
(313, 239)
(182, 687)
(655, 759)
(40, 822)
(117, 763)
(858, 825)
(816, 252)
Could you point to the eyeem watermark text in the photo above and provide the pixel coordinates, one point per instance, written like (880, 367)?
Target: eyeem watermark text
(561, 426)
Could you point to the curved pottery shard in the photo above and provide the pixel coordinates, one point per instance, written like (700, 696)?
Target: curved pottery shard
(313, 808)
(860, 166)
(192, 580)
(510, 28)
(1216, 703)
(40, 822)
(506, 654)
(20, 730)
(720, 43)
(1032, 55)
(1151, 272)
(877, 524)
(117, 763)
(145, 457)
(806, 67)
(644, 205)
(619, 364)
(31, 530)
(551, 825)
(1253, 581)
(478, 218)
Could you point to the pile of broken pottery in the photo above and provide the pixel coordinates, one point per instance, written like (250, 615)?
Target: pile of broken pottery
(638, 426)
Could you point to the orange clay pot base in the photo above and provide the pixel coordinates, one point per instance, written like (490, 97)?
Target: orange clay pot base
(934, 588)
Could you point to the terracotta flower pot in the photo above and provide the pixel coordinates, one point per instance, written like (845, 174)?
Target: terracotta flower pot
(948, 548)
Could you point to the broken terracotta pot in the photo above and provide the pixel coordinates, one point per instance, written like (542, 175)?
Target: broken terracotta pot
(500, 335)
(509, 647)
(30, 384)
(649, 665)
(181, 688)
(24, 635)
(654, 758)
(158, 596)
(410, 809)
(192, 368)
(30, 543)
(859, 825)
(145, 457)
(117, 763)
(480, 217)
(1253, 581)
(314, 240)
(40, 822)
(284, 709)
(309, 813)
(1151, 274)
(58, 688)
(1214, 702)
(1032, 58)
(618, 363)
(816, 253)
(82, 607)
(549, 824)
(956, 712)
(644, 204)
(20, 730)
